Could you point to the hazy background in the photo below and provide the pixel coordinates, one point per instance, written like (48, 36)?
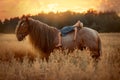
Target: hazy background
(16, 58)
(101, 15)
(12, 8)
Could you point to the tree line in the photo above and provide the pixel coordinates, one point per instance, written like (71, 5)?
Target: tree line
(102, 21)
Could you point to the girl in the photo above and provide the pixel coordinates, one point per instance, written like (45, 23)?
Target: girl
(68, 29)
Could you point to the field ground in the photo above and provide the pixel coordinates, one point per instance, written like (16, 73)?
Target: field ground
(15, 64)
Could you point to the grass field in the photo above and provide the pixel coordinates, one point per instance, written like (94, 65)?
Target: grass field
(15, 64)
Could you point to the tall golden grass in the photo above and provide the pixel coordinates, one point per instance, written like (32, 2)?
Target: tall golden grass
(77, 65)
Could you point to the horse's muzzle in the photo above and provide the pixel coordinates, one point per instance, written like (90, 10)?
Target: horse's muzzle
(20, 37)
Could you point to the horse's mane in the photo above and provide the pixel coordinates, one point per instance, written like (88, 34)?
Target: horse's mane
(41, 35)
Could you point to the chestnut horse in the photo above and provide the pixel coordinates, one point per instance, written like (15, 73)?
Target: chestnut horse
(44, 37)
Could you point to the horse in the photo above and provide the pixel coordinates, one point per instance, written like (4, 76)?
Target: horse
(44, 37)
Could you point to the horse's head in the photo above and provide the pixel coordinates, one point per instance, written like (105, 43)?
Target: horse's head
(22, 29)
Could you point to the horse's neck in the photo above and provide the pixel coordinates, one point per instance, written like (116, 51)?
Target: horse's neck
(47, 32)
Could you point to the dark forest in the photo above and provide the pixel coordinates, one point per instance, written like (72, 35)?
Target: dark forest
(102, 21)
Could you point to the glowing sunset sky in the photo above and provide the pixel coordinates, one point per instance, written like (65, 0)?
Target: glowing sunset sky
(12, 8)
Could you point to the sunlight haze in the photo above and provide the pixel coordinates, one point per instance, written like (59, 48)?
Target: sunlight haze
(12, 8)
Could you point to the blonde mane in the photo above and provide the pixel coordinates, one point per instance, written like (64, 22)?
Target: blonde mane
(41, 35)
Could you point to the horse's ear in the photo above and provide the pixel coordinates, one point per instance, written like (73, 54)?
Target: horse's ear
(26, 18)
(23, 17)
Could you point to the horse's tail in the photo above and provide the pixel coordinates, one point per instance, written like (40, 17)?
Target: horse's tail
(99, 47)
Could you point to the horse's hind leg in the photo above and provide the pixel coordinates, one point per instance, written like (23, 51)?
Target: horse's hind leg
(96, 58)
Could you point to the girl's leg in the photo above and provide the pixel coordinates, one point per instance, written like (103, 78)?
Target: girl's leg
(59, 40)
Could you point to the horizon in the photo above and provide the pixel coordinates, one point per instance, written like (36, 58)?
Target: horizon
(42, 12)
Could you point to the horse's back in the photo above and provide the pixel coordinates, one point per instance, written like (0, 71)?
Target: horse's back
(85, 37)
(88, 32)
(89, 36)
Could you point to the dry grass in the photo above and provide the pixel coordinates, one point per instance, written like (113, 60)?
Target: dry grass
(74, 66)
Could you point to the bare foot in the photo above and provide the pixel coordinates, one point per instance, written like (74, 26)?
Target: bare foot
(59, 45)
(77, 23)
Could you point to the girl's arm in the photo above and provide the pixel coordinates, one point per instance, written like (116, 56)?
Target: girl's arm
(75, 33)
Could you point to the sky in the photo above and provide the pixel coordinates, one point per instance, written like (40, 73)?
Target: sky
(13, 8)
